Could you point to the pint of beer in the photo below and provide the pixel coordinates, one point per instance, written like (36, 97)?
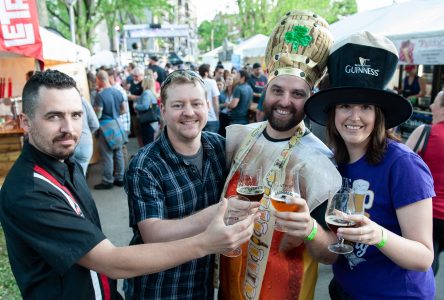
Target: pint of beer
(363, 196)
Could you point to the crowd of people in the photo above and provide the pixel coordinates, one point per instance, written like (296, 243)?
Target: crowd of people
(196, 131)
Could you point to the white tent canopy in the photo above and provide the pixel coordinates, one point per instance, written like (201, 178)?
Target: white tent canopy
(416, 27)
(57, 49)
(58, 53)
(252, 47)
(103, 58)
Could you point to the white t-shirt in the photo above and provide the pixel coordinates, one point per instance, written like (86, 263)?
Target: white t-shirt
(212, 91)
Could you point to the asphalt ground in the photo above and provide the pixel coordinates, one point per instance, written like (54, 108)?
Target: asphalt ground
(113, 210)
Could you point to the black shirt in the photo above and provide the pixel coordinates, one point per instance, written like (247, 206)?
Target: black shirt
(161, 74)
(50, 221)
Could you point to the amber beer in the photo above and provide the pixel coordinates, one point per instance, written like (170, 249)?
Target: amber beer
(282, 202)
(333, 222)
(254, 193)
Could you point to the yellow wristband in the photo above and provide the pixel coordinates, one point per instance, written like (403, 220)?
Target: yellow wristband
(313, 232)
(383, 240)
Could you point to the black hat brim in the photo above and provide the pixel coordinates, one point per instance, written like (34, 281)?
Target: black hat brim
(396, 108)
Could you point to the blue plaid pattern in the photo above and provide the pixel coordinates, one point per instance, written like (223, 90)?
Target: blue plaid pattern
(161, 184)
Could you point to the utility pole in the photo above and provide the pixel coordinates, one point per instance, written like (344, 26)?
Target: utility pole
(70, 4)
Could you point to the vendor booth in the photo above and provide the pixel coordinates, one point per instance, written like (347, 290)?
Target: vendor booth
(416, 27)
(24, 47)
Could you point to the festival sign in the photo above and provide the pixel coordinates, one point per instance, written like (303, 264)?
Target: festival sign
(421, 51)
(19, 30)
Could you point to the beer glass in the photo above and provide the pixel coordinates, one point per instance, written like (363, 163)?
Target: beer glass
(340, 205)
(283, 194)
(250, 182)
(238, 209)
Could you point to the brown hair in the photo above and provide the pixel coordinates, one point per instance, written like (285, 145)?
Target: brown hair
(181, 77)
(376, 146)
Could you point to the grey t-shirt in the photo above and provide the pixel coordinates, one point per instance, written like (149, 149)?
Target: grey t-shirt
(195, 159)
(109, 99)
(245, 94)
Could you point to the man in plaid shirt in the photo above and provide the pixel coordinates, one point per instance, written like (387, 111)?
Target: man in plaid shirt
(172, 186)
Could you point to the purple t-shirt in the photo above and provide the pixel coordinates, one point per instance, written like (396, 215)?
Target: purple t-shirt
(400, 179)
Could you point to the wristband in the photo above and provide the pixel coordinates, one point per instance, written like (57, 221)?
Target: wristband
(313, 232)
(383, 240)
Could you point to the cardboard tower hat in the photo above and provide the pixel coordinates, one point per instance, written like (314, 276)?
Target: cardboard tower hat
(299, 45)
(359, 67)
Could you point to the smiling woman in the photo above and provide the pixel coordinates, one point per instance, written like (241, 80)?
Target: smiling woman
(387, 243)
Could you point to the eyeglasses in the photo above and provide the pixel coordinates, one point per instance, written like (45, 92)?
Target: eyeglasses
(188, 74)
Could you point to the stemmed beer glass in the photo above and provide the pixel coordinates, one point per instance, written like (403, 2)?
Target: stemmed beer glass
(238, 209)
(283, 194)
(250, 182)
(339, 206)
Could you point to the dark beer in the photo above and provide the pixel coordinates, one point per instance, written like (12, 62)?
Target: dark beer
(334, 223)
(253, 193)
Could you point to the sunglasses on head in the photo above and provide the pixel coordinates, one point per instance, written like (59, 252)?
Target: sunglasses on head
(182, 74)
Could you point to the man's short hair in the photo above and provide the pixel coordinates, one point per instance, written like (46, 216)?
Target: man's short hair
(245, 74)
(111, 72)
(102, 75)
(256, 65)
(51, 79)
(204, 68)
(181, 77)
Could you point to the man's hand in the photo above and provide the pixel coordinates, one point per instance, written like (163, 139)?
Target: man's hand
(299, 223)
(219, 238)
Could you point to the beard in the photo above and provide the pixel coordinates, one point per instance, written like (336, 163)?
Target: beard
(283, 125)
(51, 147)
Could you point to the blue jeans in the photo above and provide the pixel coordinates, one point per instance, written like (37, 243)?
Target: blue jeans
(83, 154)
(108, 157)
(212, 126)
(147, 133)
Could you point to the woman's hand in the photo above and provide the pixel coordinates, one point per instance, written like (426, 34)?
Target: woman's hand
(366, 231)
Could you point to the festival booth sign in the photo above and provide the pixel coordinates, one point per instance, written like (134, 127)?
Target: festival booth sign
(56, 53)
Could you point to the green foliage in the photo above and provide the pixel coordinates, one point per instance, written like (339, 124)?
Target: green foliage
(261, 16)
(90, 13)
(8, 287)
(217, 30)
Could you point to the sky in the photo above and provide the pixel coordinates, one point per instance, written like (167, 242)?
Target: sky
(207, 11)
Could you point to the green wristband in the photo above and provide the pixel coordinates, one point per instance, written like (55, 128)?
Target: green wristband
(313, 232)
(383, 240)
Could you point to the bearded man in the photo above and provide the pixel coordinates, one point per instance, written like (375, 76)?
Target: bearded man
(277, 265)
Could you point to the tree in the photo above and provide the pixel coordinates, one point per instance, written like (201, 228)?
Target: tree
(90, 13)
(213, 33)
(261, 16)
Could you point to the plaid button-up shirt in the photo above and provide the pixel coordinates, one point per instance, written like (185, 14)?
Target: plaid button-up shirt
(161, 184)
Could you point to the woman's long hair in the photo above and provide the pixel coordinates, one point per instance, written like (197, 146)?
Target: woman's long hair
(148, 83)
(376, 146)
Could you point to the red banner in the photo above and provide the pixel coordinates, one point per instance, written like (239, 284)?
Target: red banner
(19, 30)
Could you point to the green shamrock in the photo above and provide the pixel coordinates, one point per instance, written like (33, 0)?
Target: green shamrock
(298, 36)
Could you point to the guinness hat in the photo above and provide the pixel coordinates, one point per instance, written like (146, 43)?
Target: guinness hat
(360, 67)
